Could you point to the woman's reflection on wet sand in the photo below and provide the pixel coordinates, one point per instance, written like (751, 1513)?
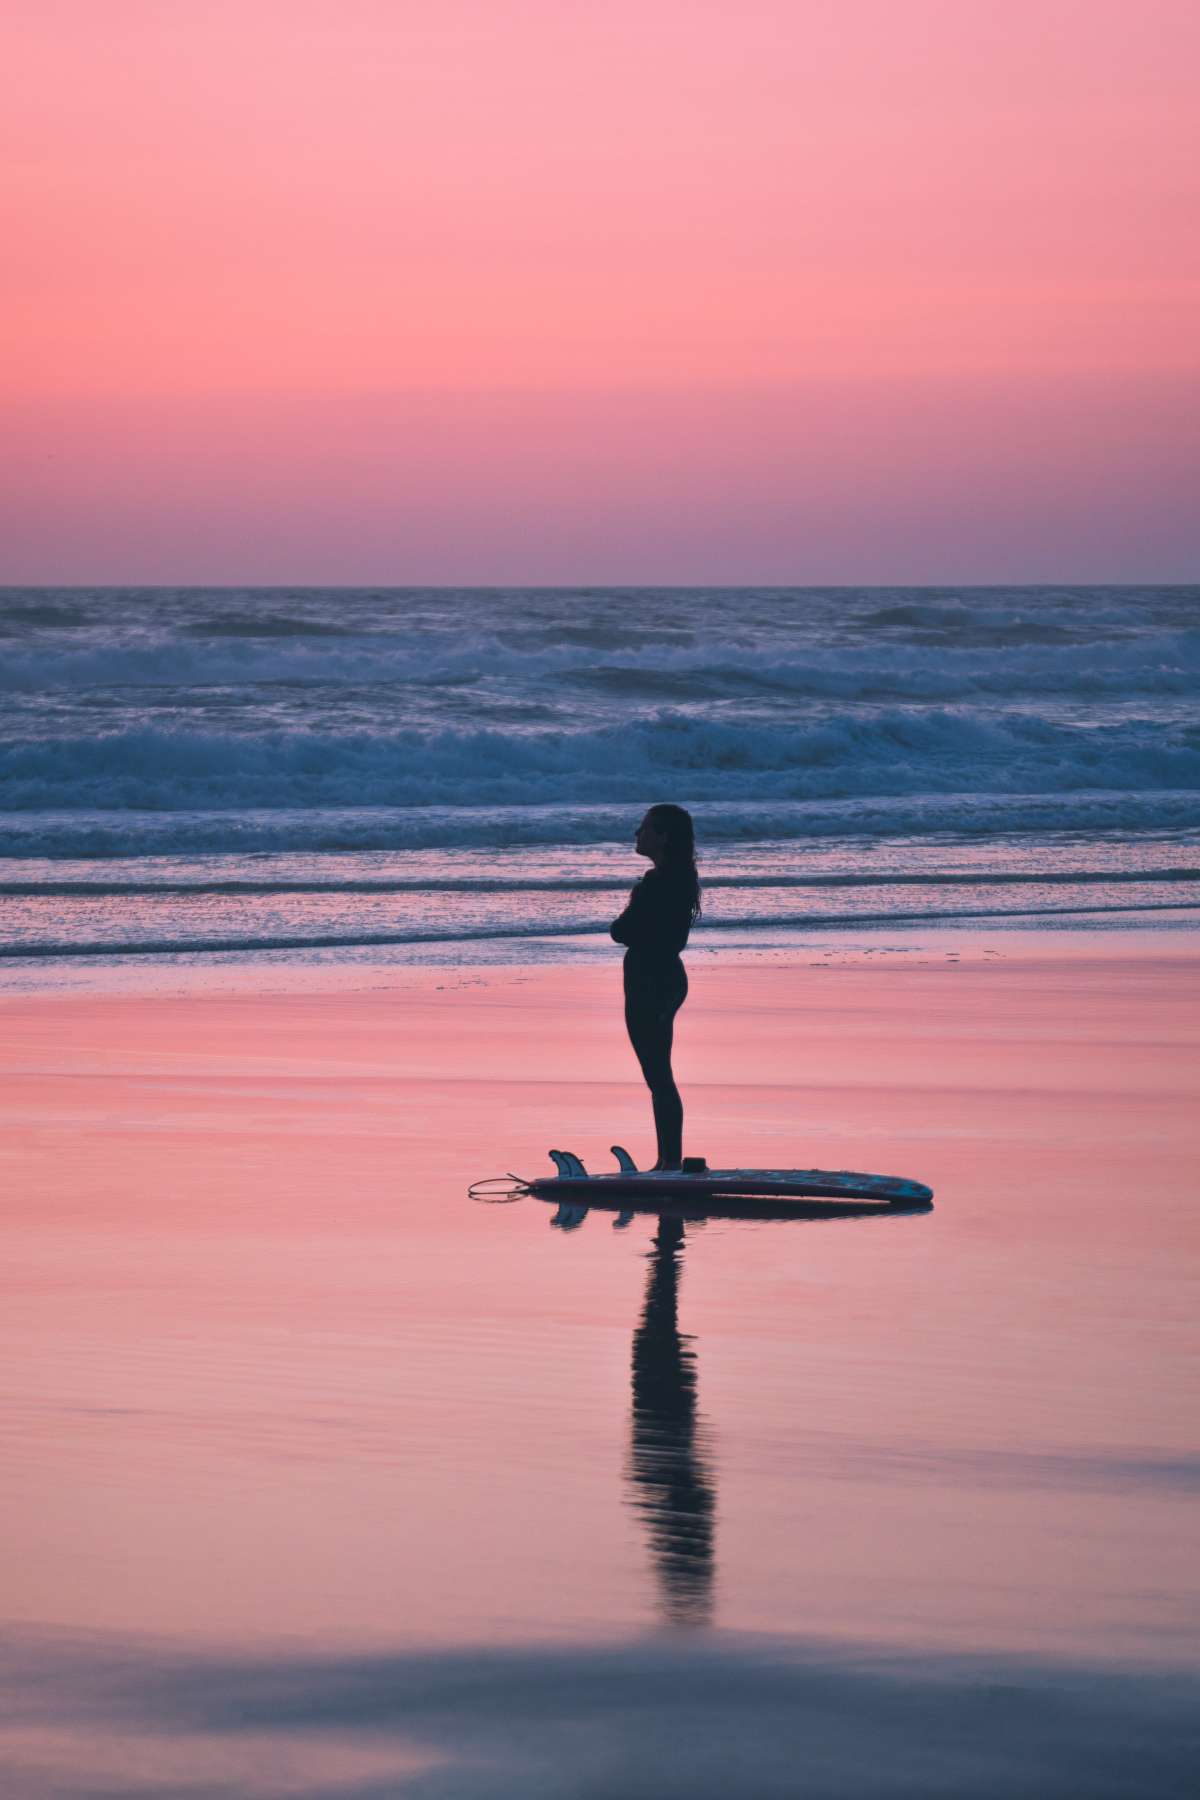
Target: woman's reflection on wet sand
(671, 1485)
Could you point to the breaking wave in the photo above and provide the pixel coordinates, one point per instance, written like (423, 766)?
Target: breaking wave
(841, 757)
(989, 660)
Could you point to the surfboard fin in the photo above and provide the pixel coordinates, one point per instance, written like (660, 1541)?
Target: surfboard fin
(625, 1162)
(567, 1163)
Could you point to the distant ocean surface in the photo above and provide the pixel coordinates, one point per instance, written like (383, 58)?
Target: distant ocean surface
(455, 775)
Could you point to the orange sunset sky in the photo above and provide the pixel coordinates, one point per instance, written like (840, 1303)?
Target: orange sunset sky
(551, 291)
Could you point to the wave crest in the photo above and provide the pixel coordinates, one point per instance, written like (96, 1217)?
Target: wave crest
(843, 756)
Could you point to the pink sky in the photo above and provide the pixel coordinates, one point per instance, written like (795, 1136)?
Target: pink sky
(542, 290)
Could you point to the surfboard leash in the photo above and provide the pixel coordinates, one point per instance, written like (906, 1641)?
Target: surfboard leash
(499, 1190)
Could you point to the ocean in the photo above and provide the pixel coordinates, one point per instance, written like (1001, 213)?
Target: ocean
(456, 774)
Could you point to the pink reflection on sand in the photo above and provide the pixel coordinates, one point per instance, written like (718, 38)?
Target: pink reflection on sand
(270, 1374)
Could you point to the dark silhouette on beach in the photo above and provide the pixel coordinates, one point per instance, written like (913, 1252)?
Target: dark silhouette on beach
(672, 1488)
(663, 906)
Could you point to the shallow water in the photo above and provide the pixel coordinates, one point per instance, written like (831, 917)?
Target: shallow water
(322, 1480)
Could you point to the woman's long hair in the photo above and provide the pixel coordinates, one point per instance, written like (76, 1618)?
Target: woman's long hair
(675, 824)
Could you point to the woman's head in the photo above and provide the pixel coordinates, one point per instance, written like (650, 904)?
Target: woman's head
(667, 836)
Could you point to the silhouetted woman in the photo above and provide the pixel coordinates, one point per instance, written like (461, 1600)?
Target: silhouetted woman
(654, 927)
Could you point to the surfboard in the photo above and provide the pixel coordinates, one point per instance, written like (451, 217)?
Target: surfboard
(631, 1186)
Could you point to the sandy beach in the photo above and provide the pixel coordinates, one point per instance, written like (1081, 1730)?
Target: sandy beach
(277, 1391)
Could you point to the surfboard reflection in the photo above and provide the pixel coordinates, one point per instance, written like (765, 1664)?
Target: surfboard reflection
(672, 1487)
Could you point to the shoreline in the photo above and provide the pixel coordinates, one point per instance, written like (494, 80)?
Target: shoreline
(958, 945)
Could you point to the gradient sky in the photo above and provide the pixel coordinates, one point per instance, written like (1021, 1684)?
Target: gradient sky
(555, 290)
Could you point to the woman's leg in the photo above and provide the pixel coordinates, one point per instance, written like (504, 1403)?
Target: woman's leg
(668, 1108)
(650, 1019)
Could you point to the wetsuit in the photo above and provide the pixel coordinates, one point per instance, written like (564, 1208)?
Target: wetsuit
(654, 928)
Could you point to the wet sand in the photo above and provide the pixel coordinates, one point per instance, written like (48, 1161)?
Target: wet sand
(322, 1480)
